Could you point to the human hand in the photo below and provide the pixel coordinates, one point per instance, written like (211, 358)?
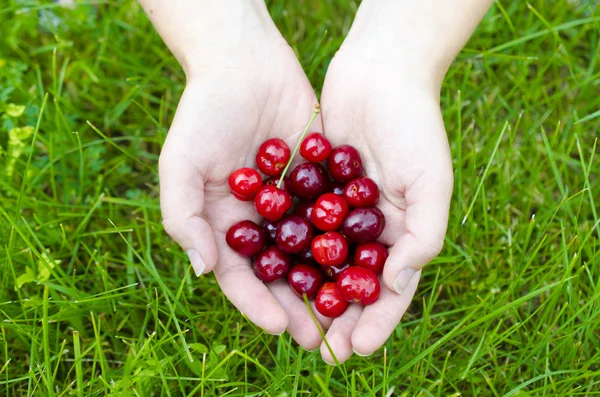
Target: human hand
(238, 94)
(381, 94)
(393, 118)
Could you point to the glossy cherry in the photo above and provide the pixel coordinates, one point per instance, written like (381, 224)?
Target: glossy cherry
(271, 265)
(305, 279)
(242, 198)
(294, 234)
(272, 203)
(305, 209)
(308, 181)
(333, 272)
(305, 256)
(337, 188)
(363, 224)
(345, 163)
(270, 229)
(326, 197)
(371, 255)
(357, 284)
(329, 301)
(272, 157)
(245, 182)
(330, 249)
(329, 212)
(246, 238)
(362, 192)
(273, 180)
(315, 147)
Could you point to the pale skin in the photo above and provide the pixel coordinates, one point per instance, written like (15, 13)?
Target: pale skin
(381, 94)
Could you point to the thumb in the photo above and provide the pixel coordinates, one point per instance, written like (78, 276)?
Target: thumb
(182, 190)
(181, 203)
(426, 219)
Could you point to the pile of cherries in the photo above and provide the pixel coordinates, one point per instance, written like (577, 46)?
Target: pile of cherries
(326, 246)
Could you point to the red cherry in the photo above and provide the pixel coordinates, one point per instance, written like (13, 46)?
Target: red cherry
(362, 192)
(271, 265)
(345, 163)
(315, 147)
(363, 224)
(333, 272)
(329, 212)
(308, 181)
(272, 157)
(246, 238)
(357, 284)
(330, 249)
(273, 180)
(305, 209)
(270, 229)
(329, 301)
(294, 234)
(271, 202)
(242, 198)
(244, 182)
(305, 256)
(337, 188)
(371, 256)
(305, 279)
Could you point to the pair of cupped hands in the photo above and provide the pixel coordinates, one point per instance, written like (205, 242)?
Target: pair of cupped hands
(250, 87)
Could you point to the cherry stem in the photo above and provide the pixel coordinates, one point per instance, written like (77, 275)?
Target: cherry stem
(316, 111)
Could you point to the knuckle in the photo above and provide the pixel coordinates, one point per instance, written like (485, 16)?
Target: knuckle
(172, 155)
(164, 157)
(171, 227)
(432, 247)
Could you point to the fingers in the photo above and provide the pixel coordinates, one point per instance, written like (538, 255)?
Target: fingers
(181, 202)
(426, 219)
(339, 336)
(182, 188)
(324, 321)
(301, 325)
(247, 293)
(379, 320)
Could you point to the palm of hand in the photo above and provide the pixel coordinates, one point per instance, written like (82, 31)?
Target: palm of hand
(398, 129)
(217, 129)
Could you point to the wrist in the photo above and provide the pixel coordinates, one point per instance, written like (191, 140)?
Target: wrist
(205, 33)
(387, 32)
(421, 37)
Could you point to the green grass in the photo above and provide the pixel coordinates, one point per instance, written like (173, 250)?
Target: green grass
(95, 299)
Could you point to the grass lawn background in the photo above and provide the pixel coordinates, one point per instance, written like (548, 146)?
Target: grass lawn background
(96, 300)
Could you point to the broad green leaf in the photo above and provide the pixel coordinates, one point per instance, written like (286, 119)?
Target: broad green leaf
(26, 277)
(43, 271)
(14, 110)
(19, 134)
(16, 136)
(199, 347)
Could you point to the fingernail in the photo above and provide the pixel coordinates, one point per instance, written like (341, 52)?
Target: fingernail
(307, 350)
(403, 279)
(333, 364)
(197, 262)
(360, 354)
(275, 334)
